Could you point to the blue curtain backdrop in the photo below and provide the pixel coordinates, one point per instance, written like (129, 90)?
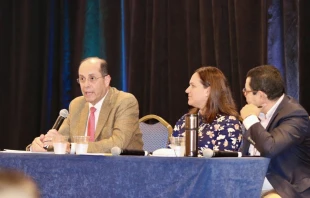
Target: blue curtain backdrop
(152, 48)
(280, 35)
(94, 43)
(93, 35)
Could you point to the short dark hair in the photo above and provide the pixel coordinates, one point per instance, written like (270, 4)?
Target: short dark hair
(267, 78)
(103, 65)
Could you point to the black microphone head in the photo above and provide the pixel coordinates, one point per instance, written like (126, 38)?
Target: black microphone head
(63, 113)
(207, 153)
(116, 151)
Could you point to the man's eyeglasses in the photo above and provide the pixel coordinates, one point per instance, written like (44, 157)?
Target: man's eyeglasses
(246, 91)
(91, 79)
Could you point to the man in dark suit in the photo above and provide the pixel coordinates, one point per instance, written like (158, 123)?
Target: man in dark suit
(278, 128)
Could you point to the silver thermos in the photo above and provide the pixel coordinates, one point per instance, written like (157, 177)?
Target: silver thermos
(191, 133)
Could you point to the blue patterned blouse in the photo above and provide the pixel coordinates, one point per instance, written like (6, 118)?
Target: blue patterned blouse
(224, 133)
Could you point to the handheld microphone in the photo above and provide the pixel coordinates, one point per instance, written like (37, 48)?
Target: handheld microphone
(118, 151)
(63, 114)
(207, 153)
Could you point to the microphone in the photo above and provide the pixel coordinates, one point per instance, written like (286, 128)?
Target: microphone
(116, 151)
(63, 114)
(207, 153)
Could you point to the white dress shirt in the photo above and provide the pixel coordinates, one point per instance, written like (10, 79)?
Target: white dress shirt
(97, 112)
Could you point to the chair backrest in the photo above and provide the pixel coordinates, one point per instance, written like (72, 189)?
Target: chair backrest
(155, 136)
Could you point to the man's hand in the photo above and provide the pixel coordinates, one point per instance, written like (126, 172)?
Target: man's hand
(48, 139)
(40, 144)
(37, 144)
(50, 134)
(248, 110)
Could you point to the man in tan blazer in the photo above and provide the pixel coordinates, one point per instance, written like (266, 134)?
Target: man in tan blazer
(117, 113)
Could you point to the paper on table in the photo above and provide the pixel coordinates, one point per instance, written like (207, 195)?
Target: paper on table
(103, 154)
(21, 151)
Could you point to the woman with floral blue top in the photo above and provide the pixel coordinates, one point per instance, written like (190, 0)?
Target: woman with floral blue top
(219, 127)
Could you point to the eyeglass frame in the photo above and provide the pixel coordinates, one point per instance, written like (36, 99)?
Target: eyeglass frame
(89, 79)
(245, 92)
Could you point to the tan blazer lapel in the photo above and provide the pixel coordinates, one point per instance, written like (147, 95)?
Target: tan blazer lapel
(104, 113)
(83, 120)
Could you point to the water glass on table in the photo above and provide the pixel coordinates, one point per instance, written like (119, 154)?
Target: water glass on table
(60, 144)
(178, 145)
(80, 143)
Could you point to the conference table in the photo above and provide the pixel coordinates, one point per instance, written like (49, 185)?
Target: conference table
(140, 176)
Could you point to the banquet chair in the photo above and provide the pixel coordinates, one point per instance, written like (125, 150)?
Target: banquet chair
(156, 135)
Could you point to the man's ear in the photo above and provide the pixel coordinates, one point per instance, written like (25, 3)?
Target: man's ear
(107, 80)
(262, 95)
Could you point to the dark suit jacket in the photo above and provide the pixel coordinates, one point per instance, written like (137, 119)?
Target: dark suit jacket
(118, 122)
(286, 140)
